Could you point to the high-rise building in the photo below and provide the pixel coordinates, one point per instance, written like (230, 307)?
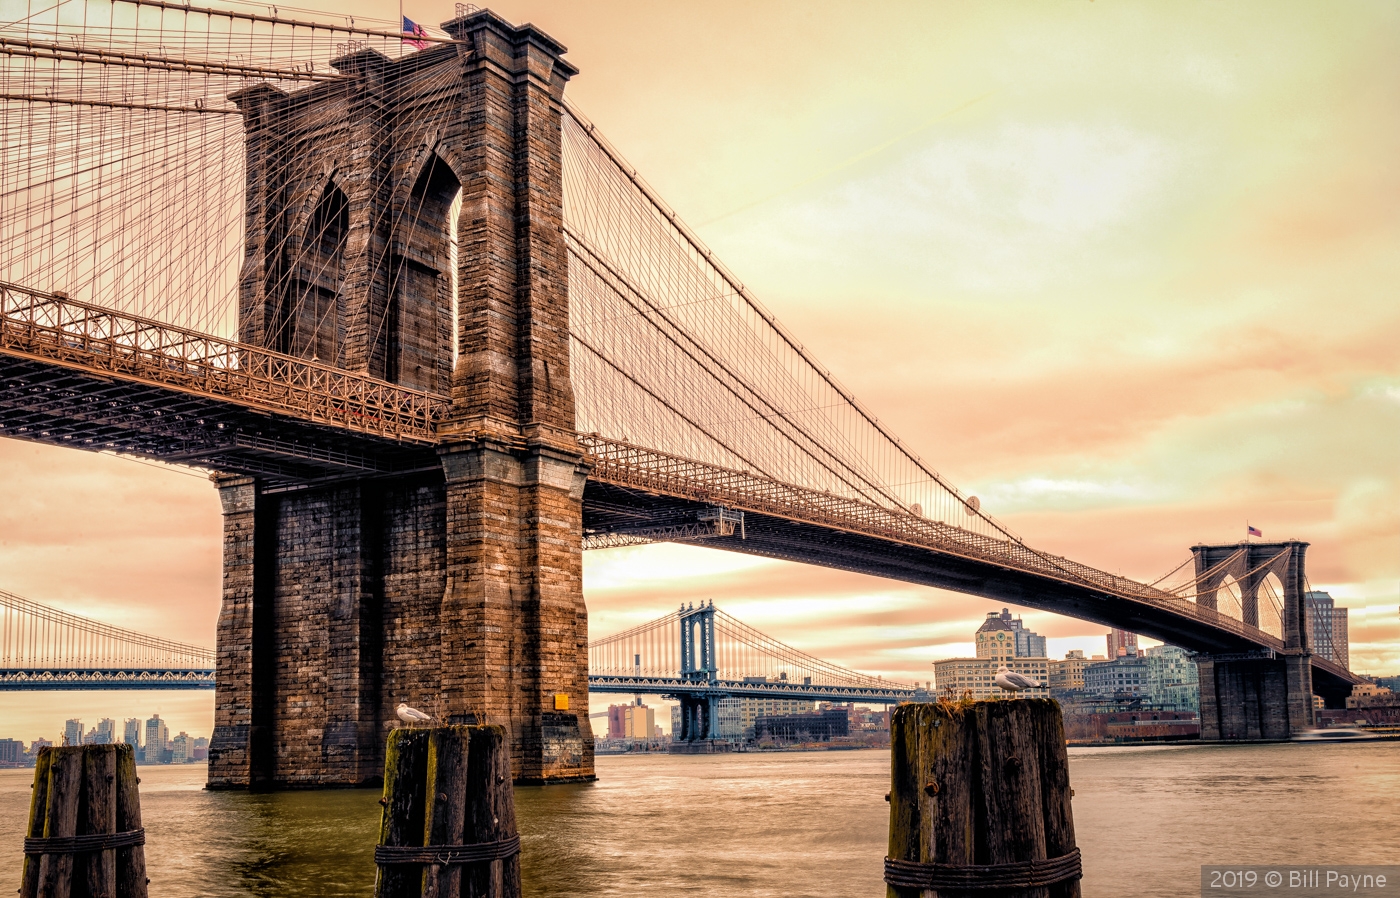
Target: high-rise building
(157, 735)
(1003, 637)
(639, 722)
(73, 732)
(181, 747)
(617, 721)
(11, 751)
(1122, 644)
(131, 732)
(1327, 628)
(106, 732)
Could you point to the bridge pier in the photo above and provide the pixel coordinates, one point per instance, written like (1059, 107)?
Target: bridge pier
(699, 718)
(1246, 698)
(456, 587)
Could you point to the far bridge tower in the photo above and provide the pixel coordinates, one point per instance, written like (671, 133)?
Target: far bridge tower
(1263, 694)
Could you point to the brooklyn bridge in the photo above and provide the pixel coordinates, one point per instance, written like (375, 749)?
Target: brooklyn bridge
(433, 337)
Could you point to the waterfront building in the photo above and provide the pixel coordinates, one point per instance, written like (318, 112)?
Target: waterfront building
(1173, 679)
(11, 752)
(1141, 725)
(740, 717)
(736, 717)
(1067, 674)
(1003, 637)
(1391, 683)
(201, 749)
(1125, 675)
(975, 675)
(1366, 695)
(131, 732)
(1327, 628)
(157, 735)
(1121, 644)
(73, 732)
(180, 748)
(815, 726)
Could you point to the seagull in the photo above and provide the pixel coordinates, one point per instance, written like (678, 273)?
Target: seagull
(411, 716)
(1006, 679)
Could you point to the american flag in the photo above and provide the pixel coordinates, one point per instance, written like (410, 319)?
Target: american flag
(413, 34)
(1255, 531)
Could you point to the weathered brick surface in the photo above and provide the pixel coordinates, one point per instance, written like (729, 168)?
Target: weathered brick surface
(228, 749)
(459, 592)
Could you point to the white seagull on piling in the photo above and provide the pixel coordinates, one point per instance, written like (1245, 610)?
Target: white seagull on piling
(1014, 682)
(411, 716)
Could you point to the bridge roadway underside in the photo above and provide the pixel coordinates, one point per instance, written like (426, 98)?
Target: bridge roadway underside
(608, 507)
(82, 409)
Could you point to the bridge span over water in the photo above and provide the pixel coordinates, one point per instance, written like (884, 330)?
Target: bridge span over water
(433, 337)
(698, 656)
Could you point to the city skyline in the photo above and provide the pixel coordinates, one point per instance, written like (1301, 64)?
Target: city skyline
(91, 722)
(1086, 261)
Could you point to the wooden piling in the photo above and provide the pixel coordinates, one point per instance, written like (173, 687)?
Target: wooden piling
(980, 802)
(448, 827)
(84, 838)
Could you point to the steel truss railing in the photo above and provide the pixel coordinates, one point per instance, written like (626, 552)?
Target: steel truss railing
(53, 328)
(637, 467)
(38, 679)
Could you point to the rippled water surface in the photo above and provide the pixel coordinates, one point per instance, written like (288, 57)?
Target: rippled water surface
(779, 824)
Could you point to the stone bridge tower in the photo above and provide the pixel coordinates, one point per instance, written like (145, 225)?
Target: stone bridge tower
(456, 587)
(1257, 695)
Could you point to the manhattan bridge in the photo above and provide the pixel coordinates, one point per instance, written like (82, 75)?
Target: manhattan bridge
(433, 337)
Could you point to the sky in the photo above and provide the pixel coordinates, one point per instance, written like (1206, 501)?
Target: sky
(1125, 271)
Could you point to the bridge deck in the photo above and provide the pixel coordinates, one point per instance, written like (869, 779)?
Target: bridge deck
(72, 374)
(742, 688)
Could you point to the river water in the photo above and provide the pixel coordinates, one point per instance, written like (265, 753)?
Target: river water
(783, 824)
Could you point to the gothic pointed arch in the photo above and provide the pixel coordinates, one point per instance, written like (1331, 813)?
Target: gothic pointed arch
(311, 317)
(414, 343)
(1272, 605)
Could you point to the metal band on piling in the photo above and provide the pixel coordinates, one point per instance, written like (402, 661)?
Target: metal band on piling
(1021, 875)
(447, 854)
(81, 844)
